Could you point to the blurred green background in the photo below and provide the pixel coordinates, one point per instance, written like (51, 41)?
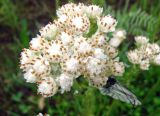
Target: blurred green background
(20, 20)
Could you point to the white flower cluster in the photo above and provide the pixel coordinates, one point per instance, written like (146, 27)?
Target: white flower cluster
(145, 54)
(61, 53)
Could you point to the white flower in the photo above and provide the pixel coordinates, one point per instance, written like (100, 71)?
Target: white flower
(49, 31)
(83, 47)
(155, 48)
(30, 77)
(80, 8)
(99, 54)
(26, 59)
(41, 66)
(79, 24)
(156, 59)
(118, 68)
(36, 43)
(106, 23)
(101, 40)
(47, 87)
(145, 54)
(40, 114)
(134, 57)
(70, 9)
(115, 42)
(62, 22)
(141, 40)
(98, 81)
(94, 66)
(66, 38)
(65, 81)
(94, 11)
(63, 18)
(98, 40)
(81, 43)
(55, 48)
(67, 8)
(66, 49)
(119, 34)
(144, 64)
(72, 65)
(147, 50)
(111, 51)
(26, 56)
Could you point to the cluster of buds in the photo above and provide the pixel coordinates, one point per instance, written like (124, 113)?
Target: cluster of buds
(61, 53)
(145, 54)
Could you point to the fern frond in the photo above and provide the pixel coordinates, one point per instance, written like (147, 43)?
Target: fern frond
(135, 22)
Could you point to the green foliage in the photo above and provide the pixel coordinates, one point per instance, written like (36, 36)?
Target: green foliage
(24, 35)
(135, 21)
(8, 13)
(57, 4)
(101, 3)
(20, 98)
(93, 28)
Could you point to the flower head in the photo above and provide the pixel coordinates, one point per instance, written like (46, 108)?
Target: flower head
(63, 51)
(30, 76)
(156, 59)
(118, 36)
(141, 40)
(145, 54)
(47, 87)
(49, 31)
(65, 81)
(134, 56)
(94, 11)
(106, 23)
